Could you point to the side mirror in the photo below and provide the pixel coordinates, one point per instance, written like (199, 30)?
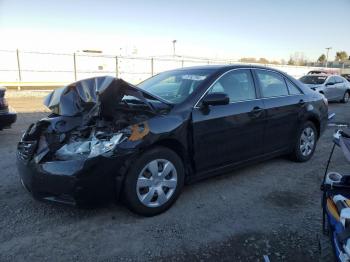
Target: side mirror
(216, 99)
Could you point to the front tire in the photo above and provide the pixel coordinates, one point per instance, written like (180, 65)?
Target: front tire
(154, 182)
(346, 97)
(305, 144)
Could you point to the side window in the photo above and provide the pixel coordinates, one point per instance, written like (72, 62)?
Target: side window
(339, 79)
(237, 84)
(272, 84)
(217, 87)
(293, 90)
(331, 80)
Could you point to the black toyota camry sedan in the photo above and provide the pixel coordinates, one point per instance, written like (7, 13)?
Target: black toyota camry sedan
(107, 139)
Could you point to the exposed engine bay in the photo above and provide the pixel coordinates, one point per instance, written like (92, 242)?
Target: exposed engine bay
(90, 117)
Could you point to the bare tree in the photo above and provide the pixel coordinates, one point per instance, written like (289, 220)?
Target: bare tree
(291, 61)
(298, 58)
(248, 60)
(263, 60)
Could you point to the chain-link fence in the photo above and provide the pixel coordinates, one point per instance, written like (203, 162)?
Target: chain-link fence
(22, 67)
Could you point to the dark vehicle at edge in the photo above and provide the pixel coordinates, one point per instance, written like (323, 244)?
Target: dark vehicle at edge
(107, 139)
(346, 76)
(7, 115)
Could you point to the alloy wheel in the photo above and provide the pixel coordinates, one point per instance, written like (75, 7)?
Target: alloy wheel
(156, 183)
(307, 141)
(346, 97)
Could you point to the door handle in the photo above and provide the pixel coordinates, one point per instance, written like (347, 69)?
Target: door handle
(301, 102)
(257, 111)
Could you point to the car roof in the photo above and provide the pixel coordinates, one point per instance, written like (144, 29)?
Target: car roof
(321, 71)
(326, 75)
(223, 67)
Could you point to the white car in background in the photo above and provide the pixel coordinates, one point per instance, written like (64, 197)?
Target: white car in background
(333, 87)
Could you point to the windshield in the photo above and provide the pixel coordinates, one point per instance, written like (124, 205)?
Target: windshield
(316, 80)
(175, 86)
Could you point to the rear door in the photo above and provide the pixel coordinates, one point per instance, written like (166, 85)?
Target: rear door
(226, 134)
(340, 87)
(283, 102)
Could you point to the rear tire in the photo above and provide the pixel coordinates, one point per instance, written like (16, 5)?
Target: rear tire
(305, 144)
(346, 97)
(154, 182)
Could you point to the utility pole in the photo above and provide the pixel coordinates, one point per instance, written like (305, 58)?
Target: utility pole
(116, 67)
(174, 42)
(152, 66)
(327, 48)
(75, 67)
(19, 70)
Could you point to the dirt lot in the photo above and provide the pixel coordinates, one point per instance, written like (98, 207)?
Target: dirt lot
(271, 208)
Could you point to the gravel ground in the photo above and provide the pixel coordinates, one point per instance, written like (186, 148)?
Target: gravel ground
(271, 208)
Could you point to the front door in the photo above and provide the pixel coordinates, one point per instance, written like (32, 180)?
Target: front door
(226, 134)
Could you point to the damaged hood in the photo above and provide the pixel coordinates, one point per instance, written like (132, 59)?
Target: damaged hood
(101, 93)
(91, 118)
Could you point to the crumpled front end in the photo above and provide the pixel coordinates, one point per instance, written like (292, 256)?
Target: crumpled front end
(74, 182)
(79, 153)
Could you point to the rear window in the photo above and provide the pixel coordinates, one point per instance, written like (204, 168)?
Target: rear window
(293, 90)
(310, 79)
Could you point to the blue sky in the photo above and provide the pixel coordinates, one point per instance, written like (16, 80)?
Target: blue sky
(256, 28)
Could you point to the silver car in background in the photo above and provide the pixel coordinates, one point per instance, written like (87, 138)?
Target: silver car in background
(333, 87)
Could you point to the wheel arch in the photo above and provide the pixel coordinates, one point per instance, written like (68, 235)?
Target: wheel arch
(313, 119)
(180, 150)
